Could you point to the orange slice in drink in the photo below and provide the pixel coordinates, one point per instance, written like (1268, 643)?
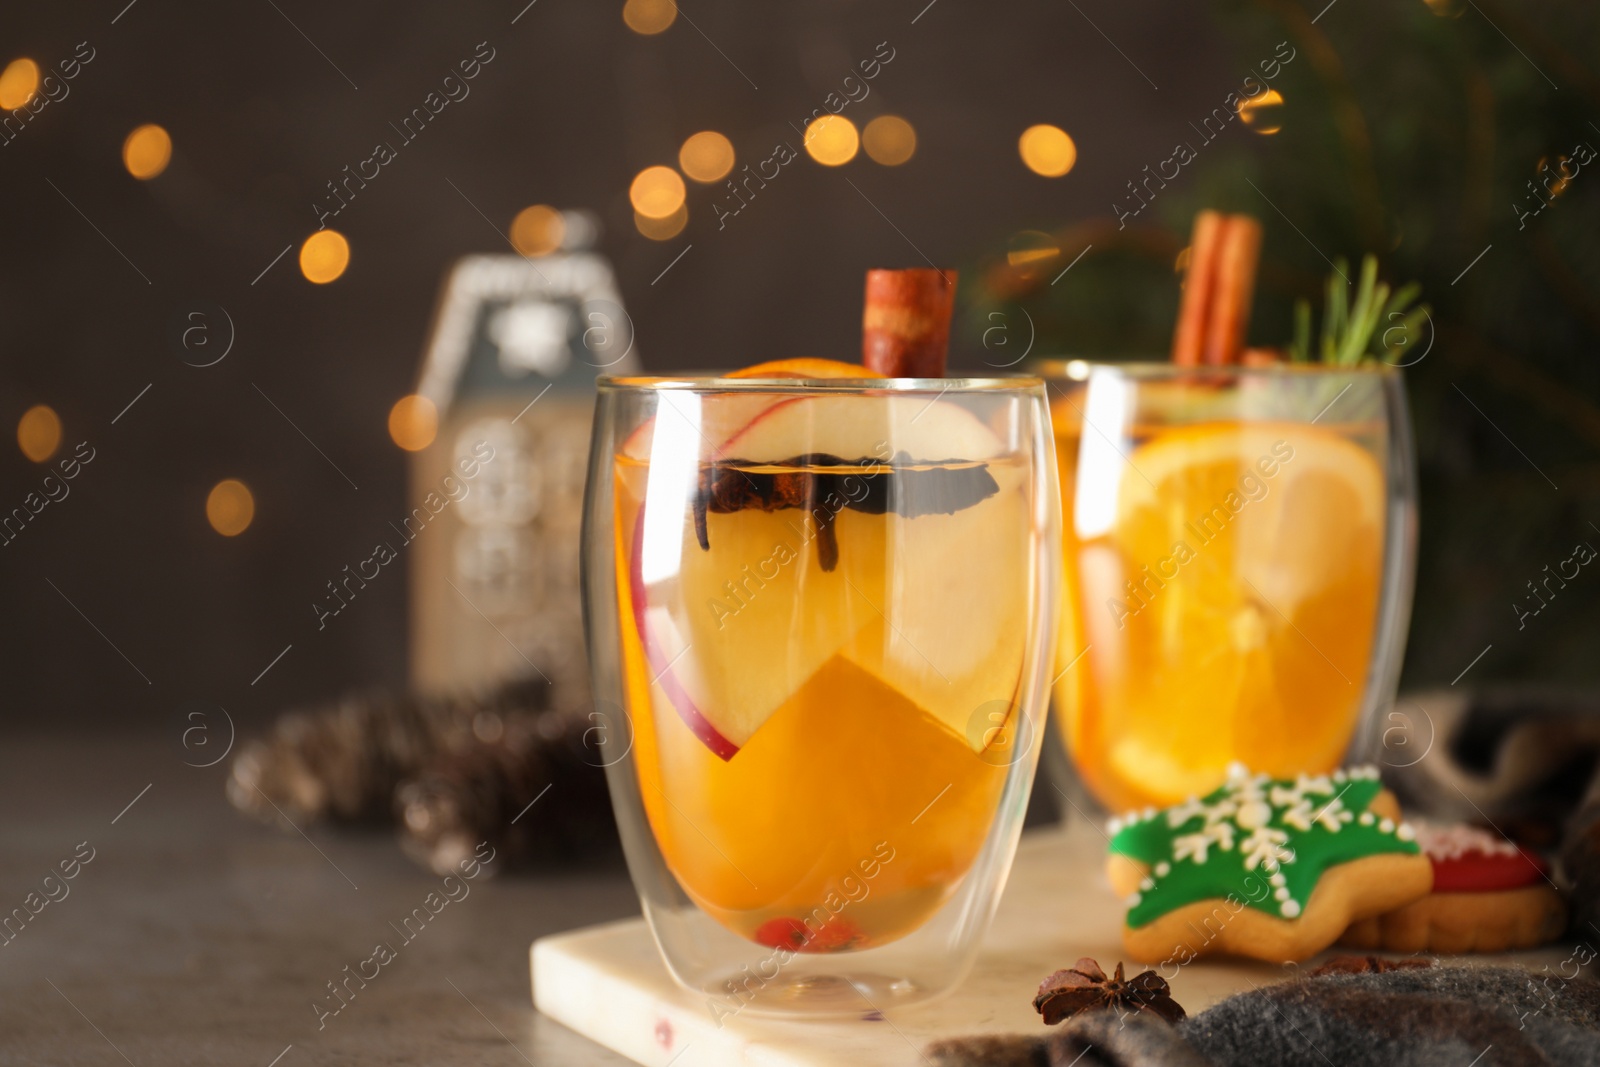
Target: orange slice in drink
(1240, 588)
(805, 367)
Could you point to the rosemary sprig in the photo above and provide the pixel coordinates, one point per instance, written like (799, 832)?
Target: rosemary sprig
(1350, 328)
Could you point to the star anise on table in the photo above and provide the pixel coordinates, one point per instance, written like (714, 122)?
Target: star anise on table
(1085, 987)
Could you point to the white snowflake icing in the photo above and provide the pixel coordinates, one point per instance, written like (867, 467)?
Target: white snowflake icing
(1222, 809)
(1248, 805)
(1265, 846)
(1117, 823)
(1253, 814)
(1453, 842)
(1196, 846)
(1182, 813)
(1304, 785)
(1222, 834)
(1299, 814)
(1331, 816)
(1191, 847)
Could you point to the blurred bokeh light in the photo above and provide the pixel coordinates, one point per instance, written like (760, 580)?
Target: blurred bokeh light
(324, 256)
(662, 229)
(649, 16)
(230, 507)
(18, 82)
(1263, 113)
(1047, 150)
(39, 432)
(706, 157)
(1028, 250)
(538, 230)
(832, 140)
(413, 422)
(889, 140)
(147, 151)
(657, 192)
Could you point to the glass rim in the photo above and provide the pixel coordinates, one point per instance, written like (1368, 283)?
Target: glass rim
(713, 383)
(1079, 369)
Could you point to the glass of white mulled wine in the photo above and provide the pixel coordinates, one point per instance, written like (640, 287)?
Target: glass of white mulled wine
(826, 607)
(1239, 546)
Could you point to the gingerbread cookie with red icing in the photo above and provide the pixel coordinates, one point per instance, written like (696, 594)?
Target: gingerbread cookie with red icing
(1488, 896)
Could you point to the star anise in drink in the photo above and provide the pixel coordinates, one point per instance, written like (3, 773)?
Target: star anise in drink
(1085, 987)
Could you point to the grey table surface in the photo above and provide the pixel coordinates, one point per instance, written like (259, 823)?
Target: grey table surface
(195, 936)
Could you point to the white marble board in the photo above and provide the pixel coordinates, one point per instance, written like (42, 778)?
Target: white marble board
(609, 984)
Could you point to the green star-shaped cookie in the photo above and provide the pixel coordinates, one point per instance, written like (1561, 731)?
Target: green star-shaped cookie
(1262, 841)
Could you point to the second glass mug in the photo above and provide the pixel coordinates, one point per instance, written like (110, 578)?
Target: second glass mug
(823, 610)
(1240, 544)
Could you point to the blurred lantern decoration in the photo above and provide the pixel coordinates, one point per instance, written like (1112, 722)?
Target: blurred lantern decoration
(497, 439)
(510, 373)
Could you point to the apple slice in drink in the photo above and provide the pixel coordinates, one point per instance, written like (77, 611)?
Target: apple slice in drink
(717, 417)
(954, 624)
(738, 629)
(734, 630)
(726, 631)
(855, 427)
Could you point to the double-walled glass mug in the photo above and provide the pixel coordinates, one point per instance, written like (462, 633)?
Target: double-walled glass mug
(1239, 547)
(827, 608)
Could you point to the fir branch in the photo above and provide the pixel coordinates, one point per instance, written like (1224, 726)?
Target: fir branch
(1351, 328)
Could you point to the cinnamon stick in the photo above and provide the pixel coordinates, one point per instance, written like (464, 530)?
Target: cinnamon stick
(1189, 339)
(1232, 289)
(905, 328)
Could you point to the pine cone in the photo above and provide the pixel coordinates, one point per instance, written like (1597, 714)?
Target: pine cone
(530, 788)
(342, 762)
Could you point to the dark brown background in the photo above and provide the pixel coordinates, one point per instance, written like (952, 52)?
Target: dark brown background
(572, 106)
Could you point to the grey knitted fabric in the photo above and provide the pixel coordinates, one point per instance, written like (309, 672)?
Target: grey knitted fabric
(1434, 1017)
